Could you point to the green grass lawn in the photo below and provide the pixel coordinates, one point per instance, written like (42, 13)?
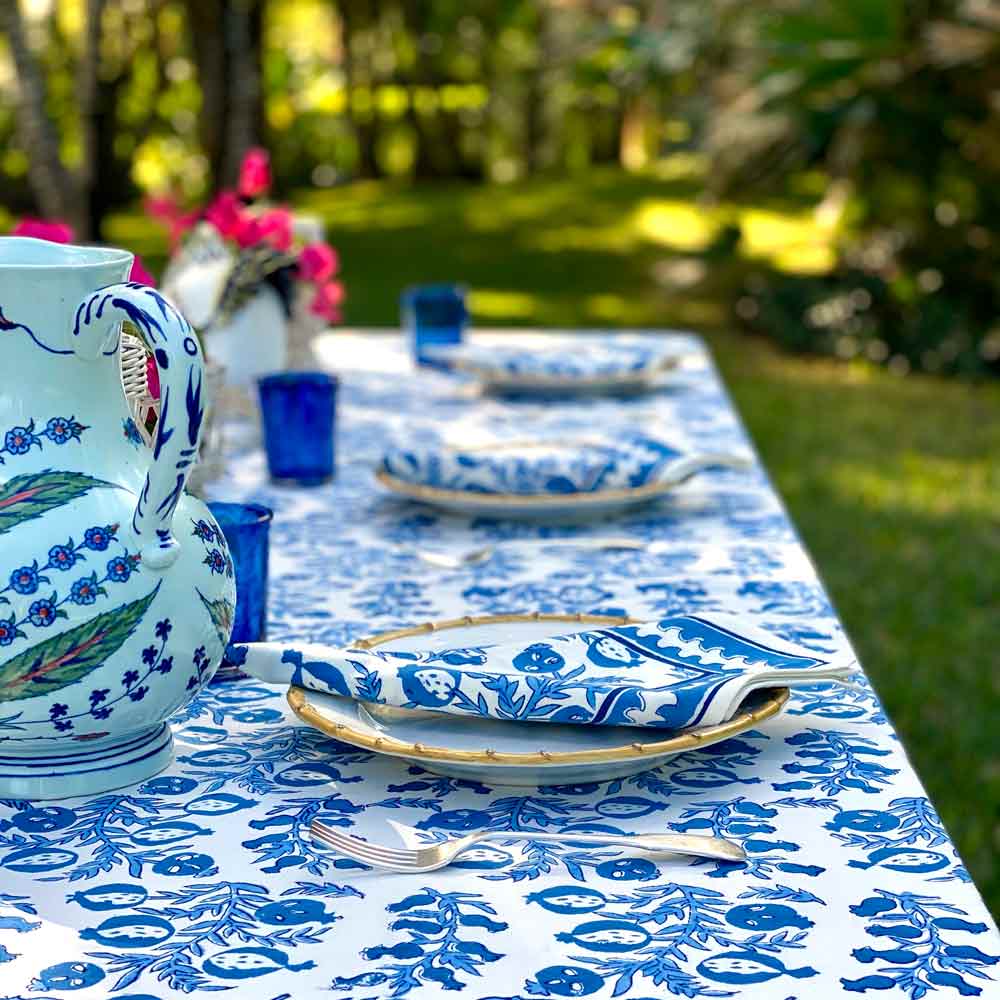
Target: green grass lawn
(893, 483)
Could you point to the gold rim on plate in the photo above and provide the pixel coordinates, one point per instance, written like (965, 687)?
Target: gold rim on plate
(773, 701)
(439, 495)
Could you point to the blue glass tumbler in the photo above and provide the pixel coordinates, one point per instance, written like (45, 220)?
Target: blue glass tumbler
(297, 410)
(247, 529)
(433, 315)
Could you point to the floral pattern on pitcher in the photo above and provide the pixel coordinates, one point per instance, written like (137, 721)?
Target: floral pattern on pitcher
(58, 430)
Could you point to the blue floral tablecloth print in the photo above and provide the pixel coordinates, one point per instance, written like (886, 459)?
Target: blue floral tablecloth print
(203, 879)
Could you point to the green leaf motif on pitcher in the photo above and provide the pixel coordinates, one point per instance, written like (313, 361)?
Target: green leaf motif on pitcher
(25, 497)
(221, 612)
(66, 658)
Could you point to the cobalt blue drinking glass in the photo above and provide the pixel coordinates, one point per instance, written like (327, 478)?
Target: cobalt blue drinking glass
(247, 528)
(433, 315)
(297, 409)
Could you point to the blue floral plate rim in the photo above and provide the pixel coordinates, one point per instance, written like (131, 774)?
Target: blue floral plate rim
(505, 368)
(515, 504)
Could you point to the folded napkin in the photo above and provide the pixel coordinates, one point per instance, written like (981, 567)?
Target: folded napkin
(669, 674)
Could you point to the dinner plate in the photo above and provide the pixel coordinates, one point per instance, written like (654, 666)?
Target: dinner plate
(543, 478)
(584, 366)
(509, 753)
(519, 753)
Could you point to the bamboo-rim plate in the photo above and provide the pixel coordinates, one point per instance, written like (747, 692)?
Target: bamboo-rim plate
(765, 704)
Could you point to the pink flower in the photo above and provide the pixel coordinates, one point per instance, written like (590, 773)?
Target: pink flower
(44, 229)
(255, 173)
(276, 228)
(248, 232)
(163, 207)
(152, 378)
(140, 275)
(328, 298)
(318, 262)
(226, 213)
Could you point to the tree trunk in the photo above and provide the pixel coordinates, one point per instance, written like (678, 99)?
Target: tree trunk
(91, 104)
(226, 37)
(208, 45)
(243, 31)
(55, 188)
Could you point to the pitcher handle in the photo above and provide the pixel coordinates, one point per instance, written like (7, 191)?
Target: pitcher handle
(181, 368)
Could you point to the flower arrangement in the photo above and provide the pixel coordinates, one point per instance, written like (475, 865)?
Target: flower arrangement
(261, 244)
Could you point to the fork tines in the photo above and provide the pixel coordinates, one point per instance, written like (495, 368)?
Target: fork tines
(361, 850)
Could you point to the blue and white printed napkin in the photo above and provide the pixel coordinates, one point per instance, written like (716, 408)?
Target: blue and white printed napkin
(670, 674)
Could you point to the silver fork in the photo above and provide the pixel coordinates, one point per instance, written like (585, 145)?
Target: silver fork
(434, 856)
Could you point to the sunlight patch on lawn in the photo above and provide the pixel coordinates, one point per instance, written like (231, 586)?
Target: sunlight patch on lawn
(611, 239)
(927, 485)
(678, 225)
(491, 303)
(607, 308)
(793, 242)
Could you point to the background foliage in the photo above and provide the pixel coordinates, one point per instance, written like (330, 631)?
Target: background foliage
(886, 107)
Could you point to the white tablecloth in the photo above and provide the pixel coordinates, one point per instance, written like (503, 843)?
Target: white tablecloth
(204, 879)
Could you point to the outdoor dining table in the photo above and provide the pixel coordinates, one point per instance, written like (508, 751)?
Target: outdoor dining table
(204, 878)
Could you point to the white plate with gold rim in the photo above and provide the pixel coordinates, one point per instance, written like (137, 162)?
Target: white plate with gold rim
(510, 753)
(502, 753)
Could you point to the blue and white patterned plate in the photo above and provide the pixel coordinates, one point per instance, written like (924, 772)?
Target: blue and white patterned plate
(542, 476)
(669, 674)
(585, 365)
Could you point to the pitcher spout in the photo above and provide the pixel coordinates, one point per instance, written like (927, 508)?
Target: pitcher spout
(41, 284)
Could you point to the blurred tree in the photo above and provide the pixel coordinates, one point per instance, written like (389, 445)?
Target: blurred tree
(896, 102)
(226, 39)
(80, 108)
(56, 189)
(359, 20)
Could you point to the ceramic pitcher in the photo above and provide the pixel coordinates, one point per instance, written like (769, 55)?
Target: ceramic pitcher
(116, 587)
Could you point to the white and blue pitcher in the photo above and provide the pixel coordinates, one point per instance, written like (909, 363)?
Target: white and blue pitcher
(116, 587)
